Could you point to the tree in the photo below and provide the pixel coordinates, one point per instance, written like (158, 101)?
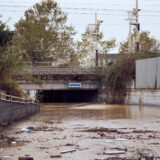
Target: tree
(147, 44)
(43, 34)
(12, 60)
(86, 47)
(119, 75)
(5, 35)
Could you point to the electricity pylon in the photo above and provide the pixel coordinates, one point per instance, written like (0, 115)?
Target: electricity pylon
(133, 18)
(95, 33)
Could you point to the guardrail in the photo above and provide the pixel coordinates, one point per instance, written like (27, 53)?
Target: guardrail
(14, 108)
(11, 98)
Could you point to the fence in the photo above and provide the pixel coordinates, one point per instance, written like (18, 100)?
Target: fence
(148, 73)
(12, 99)
(15, 108)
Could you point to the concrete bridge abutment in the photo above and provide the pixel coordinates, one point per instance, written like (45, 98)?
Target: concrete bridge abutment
(64, 84)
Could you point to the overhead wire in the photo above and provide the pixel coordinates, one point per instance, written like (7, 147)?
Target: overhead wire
(90, 9)
(80, 8)
(84, 9)
(86, 13)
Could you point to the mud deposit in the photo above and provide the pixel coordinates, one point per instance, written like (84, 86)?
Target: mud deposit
(84, 132)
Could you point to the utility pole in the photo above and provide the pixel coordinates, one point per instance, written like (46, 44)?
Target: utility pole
(133, 19)
(130, 19)
(97, 25)
(130, 38)
(97, 37)
(95, 33)
(137, 27)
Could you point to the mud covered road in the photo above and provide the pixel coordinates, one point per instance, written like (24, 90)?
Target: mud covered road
(84, 132)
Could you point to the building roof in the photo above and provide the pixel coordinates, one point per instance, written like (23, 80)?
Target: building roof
(111, 55)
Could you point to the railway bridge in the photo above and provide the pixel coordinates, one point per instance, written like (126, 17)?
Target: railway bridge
(64, 84)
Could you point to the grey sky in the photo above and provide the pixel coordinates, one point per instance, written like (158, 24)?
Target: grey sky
(81, 13)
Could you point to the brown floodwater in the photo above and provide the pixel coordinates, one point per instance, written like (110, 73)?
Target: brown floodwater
(61, 127)
(83, 111)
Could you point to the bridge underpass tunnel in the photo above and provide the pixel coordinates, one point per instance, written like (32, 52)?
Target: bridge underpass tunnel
(63, 96)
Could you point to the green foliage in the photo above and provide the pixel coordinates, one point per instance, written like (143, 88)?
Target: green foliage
(86, 47)
(11, 87)
(43, 34)
(5, 35)
(147, 44)
(121, 73)
(64, 65)
(12, 60)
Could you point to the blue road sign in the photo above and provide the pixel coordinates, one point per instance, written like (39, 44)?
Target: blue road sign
(74, 85)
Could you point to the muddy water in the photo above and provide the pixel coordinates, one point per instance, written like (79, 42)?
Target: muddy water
(71, 111)
(62, 127)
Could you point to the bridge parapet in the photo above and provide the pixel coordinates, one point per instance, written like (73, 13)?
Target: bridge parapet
(58, 78)
(48, 70)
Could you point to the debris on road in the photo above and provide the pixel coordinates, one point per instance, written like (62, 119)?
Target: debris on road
(108, 130)
(67, 151)
(69, 144)
(46, 128)
(120, 139)
(26, 130)
(55, 156)
(14, 142)
(30, 127)
(4, 157)
(25, 158)
(114, 152)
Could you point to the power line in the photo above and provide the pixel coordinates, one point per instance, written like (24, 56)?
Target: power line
(81, 3)
(120, 24)
(88, 9)
(86, 13)
(63, 3)
(67, 8)
(151, 11)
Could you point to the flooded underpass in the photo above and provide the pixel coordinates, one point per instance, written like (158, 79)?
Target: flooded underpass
(81, 131)
(72, 96)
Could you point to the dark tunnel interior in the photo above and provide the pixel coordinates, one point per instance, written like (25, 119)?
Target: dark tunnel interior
(63, 96)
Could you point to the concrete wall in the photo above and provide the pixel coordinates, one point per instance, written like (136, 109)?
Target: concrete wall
(12, 111)
(60, 85)
(143, 97)
(147, 88)
(148, 73)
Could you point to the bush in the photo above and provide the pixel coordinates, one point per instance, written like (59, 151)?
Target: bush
(11, 88)
(119, 74)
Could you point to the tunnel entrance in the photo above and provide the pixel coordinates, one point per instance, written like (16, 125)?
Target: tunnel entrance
(62, 96)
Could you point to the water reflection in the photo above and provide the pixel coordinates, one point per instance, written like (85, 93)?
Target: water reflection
(74, 111)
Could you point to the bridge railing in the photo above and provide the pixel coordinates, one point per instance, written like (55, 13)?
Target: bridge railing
(61, 70)
(11, 98)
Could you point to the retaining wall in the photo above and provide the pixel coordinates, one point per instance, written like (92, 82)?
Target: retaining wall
(11, 111)
(148, 73)
(143, 97)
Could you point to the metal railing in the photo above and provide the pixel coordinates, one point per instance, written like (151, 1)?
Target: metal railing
(15, 99)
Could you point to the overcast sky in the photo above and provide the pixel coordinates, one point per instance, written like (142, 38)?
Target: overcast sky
(81, 13)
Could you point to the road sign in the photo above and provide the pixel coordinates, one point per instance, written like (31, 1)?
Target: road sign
(74, 85)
